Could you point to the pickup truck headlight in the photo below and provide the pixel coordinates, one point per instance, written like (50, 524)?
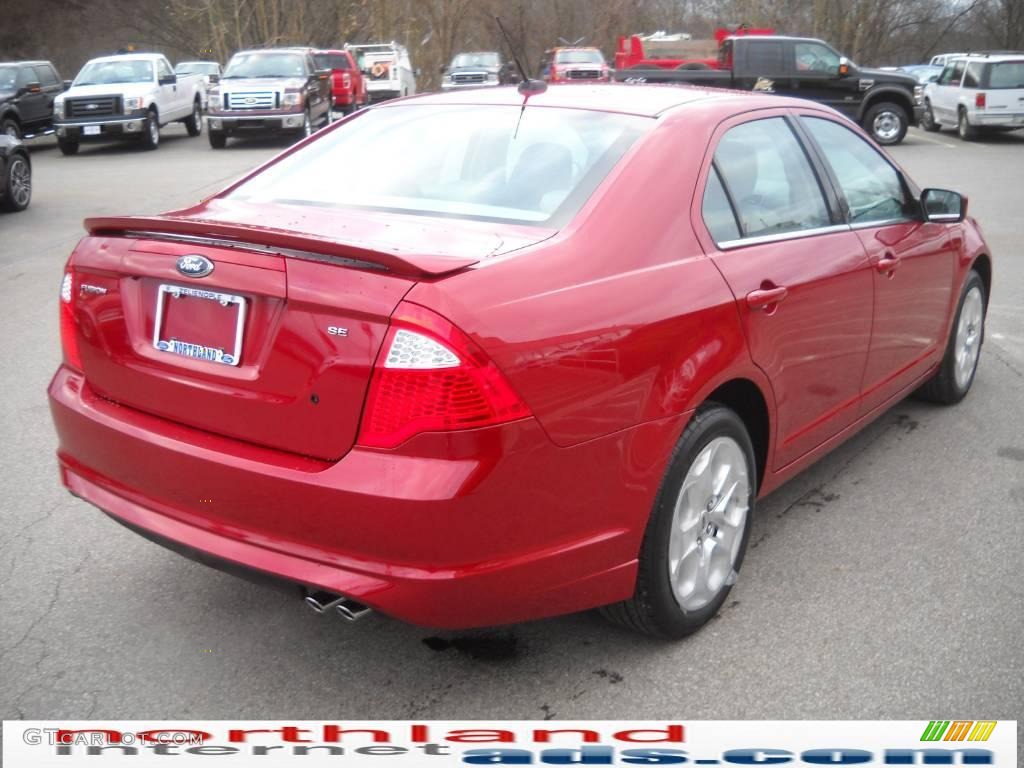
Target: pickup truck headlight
(132, 103)
(492, 77)
(58, 108)
(446, 79)
(292, 99)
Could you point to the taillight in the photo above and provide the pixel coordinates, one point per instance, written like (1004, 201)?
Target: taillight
(979, 100)
(430, 377)
(68, 339)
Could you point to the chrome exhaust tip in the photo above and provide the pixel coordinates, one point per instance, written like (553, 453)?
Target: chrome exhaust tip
(350, 610)
(322, 602)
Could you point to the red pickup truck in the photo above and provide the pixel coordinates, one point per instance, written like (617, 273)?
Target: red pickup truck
(347, 84)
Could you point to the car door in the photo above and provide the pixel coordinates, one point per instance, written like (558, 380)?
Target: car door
(31, 103)
(800, 276)
(912, 260)
(52, 87)
(946, 93)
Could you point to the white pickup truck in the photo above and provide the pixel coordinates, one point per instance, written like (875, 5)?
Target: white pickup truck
(115, 98)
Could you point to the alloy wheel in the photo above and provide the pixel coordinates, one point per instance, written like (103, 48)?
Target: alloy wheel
(969, 331)
(708, 524)
(20, 182)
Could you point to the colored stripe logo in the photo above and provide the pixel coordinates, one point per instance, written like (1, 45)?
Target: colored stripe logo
(958, 730)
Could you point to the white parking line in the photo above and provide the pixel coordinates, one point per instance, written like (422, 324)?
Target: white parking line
(919, 135)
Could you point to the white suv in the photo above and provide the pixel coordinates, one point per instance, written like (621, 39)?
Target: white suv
(975, 93)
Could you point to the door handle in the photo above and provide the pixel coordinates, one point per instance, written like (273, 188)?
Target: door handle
(764, 298)
(888, 264)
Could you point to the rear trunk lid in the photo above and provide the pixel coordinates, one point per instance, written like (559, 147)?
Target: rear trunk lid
(276, 344)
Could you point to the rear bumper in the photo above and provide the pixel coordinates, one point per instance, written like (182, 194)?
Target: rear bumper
(989, 119)
(498, 526)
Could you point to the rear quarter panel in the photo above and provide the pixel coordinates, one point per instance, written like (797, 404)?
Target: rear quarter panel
(620, 319)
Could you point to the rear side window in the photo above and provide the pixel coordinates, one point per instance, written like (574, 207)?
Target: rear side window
(764, 57)
(871, 186)
(719, 217)
(770, 179)
(972, 75)
(1006, 74)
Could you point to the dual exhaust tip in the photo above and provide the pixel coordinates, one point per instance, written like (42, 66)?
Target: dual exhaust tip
(322, 602)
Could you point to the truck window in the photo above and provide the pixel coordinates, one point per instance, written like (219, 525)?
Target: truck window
(719, 217)
(764, 57)
(872, 188)
(1006, 74)
(815, 58)
(45, 75)
(163, 69)
(954, 73)
(972, 75)
(770, 179)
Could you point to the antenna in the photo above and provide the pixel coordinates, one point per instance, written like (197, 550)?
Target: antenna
(527, 86)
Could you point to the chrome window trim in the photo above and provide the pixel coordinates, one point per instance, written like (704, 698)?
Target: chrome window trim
(883, 223)
(943, 217)
(799, 234)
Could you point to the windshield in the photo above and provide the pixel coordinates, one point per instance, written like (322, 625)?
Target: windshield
(196, 68)
(8, 77)
(331, 61)
(1007, 74)
(497, 163)
(583, 56)
(108, 72)
(265, 65)
(476, 60)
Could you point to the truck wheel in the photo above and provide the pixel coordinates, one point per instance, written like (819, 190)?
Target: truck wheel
(217, 139)
(17, 185)
(67, 147)
(964, 129)
(928, 121)
(886, 122)
(10, 128)
(151, 131)
(698, 530)
(194, 122)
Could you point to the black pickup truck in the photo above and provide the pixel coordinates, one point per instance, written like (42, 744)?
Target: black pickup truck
(27, 91)
(880, 101)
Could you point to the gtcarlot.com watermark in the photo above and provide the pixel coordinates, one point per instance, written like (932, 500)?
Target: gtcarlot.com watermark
(603, 743)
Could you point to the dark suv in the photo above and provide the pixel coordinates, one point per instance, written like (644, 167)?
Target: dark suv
(27, 91)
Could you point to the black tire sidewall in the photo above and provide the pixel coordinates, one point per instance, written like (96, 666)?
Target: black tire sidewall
(673, 621)
(8, 121)
(147, 137)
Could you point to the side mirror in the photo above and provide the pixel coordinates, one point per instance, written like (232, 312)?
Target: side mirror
(943, 205)
(31, 88)
(844, 66)
(214, 79)
(67, 84)
(168, 80)
(323, 74)
(933, 79)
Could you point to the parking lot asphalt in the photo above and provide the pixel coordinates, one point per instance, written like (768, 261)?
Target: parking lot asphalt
(885, 582)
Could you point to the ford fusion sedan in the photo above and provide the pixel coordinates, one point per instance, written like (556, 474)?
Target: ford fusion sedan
(550, 365)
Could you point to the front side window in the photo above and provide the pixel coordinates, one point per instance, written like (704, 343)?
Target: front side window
(872, 187)
(770, 179)
(163, 70)
(972, 75)
(45, 75)
(498, 163)
(816, 58)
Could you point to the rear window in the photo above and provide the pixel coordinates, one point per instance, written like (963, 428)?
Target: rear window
(1007, 74)
(498, 163)
(330, 61)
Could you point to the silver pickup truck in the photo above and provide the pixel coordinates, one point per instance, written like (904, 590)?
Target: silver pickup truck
(116, 98)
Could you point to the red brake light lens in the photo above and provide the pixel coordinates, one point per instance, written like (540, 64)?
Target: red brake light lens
(430, 377)
(979, 100)
(68, 339)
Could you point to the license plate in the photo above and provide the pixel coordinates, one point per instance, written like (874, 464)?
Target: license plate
(200, 324)
(91, 130)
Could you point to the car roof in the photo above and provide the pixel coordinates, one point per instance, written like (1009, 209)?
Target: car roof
(993, 57)
(631, 99)
(130, 57)
(576, 48)
(23, 63)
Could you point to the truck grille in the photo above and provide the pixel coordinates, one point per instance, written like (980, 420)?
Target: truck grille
(469, 77)
(583, 74)
(93, 106)
(251, 100)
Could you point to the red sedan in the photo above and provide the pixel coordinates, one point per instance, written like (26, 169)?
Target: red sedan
(541, 355)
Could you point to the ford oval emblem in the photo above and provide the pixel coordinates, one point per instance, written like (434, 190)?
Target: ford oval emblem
(195, 265)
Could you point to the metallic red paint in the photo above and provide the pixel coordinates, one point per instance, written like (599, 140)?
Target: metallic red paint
(613, 330)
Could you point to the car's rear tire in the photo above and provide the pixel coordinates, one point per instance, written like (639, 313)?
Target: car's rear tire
(698, 530)
(151, 131)
(964, 129)
(10, 127)
(955, 375)
(67, 147)
(886, 122)
(218, 140)
(194, 122)
(928, 121)
(17, 184)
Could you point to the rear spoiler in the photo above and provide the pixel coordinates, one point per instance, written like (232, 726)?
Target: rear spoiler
(283, 242)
